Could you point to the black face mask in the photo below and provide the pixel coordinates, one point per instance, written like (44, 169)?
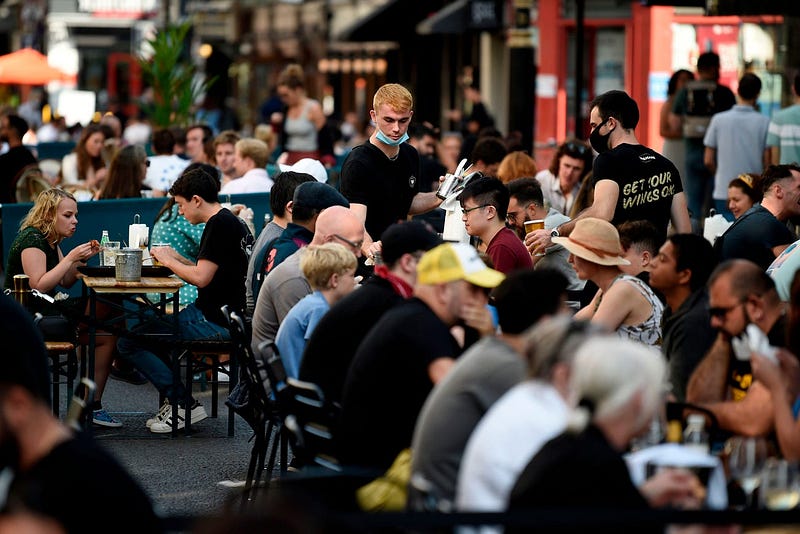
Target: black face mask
(598, 141)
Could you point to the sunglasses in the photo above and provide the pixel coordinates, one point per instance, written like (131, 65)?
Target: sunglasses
(721, 312)
(576, 148)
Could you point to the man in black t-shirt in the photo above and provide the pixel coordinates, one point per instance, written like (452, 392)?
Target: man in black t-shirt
(631, 181)
(12, 128)
(381, 177)
(739, 293)
(219, 275)
(55, 474)
(408, 351)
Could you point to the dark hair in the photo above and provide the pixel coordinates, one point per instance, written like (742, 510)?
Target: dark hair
(208, 140)
(672, 86)
(747, 278)
(525, 296)
(526, 190)
(796, 86)
(573, 148)
(18, 124)
(642, 234)
(695, 253)
(198, 179)
(84, 160)
(25, 361)
(282, 190)
(125, 174)
(708, 60)
(750, 184)
(749, 86)
(489, 150)
(163, 142)
(617, 104)
(418, 130)
(774, 173)
(489, 191)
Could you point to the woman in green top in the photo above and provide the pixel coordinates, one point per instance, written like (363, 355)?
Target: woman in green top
(36, 253)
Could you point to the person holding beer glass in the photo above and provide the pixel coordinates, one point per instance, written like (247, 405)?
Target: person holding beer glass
(36, 253)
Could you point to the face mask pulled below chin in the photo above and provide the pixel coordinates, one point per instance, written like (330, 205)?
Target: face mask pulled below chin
(389, 141)
(598, 141)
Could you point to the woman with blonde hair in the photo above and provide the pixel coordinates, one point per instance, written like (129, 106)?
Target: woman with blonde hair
(303, 132)
(516, 165)
(330, 270)
(36, 253)
(126, 175)
(84, 168)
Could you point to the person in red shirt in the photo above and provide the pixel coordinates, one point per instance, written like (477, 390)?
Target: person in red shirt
(485, 203)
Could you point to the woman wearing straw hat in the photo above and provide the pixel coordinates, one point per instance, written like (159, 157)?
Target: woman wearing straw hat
(624, 303)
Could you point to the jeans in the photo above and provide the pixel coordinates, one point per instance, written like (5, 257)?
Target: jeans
(697, 184)
(192, 326)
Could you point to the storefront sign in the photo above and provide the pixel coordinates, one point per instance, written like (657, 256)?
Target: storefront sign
(118, 8)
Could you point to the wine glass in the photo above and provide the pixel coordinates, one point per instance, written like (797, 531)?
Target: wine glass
(746, 463)
(780, 486)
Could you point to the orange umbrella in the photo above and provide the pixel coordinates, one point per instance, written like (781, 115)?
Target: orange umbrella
(28, 67)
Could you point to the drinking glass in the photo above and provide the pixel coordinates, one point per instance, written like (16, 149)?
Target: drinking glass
(746, 463)
(780, 487)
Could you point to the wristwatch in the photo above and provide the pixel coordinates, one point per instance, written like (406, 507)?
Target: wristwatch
(554, 232)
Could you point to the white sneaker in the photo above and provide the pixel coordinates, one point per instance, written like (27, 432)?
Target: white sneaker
(163, 413)
(198, 413)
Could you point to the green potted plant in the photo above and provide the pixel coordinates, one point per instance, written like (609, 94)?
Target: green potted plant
(172, 77)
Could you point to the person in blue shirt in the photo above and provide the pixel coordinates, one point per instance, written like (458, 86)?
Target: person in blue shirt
(330, 270)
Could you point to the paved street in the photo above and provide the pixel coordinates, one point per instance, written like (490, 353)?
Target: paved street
(182, 476)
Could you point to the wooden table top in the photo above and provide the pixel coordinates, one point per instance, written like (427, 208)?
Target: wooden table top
(148, 284)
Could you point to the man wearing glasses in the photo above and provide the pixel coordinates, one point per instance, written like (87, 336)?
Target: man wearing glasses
(740, 293)
(631, 181)
(484, 203)
(562, 181)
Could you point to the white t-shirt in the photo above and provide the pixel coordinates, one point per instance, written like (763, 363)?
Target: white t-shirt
(163, 171)
(513, 430)
(253, 181)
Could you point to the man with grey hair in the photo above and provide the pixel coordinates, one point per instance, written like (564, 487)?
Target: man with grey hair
(522, 420)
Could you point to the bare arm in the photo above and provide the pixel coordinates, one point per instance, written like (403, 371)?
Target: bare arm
(424, 202)
(710, 159)
(782, 382)
(199, 275)
(679, 214)
(606, 194)
(439, 368)
(779, 249)
(34, 264)
(709, 379)
(616, 305)
(775, 155)
(752, 416)
(675, 122)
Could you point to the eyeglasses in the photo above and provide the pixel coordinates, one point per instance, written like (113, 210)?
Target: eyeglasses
(721, 312)
(511, 216)
(355, 244)
(468, 210)
(576, 148)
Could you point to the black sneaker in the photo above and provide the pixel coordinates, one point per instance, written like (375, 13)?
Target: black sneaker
(132, 377)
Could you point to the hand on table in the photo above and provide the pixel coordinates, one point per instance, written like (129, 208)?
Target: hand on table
(163, 254)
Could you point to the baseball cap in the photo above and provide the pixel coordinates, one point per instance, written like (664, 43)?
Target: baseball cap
(456, 261)
(318, 196)
(308, 166)
(24, 360)
(406, 238)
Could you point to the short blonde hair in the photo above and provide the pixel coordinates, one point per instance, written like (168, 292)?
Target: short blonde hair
(393, 95)
(42, 215)
(320, 262)
(254, 149)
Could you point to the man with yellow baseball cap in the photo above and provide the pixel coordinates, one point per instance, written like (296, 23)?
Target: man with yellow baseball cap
(408, 351)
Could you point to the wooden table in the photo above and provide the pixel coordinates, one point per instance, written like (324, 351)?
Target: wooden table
(94, 287)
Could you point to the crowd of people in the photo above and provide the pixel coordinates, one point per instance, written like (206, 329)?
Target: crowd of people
(514, 367)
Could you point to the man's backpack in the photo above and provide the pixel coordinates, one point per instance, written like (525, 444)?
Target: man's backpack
(700, 106)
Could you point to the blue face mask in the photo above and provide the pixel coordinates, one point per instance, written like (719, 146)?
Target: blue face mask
(389, 141)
